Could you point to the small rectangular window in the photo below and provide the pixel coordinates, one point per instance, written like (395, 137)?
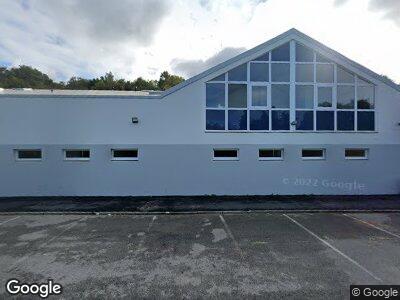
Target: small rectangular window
(225, 154)
(76, 154)
(356, 153)
(28, 154)
(270, 154)
(313, 153)
(124, 154)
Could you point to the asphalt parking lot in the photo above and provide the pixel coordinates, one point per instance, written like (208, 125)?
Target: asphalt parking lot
(236, 255)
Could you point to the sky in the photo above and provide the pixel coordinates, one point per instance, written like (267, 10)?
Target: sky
(133, 38)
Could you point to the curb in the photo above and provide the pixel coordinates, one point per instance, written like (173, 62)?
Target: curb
(202, 212)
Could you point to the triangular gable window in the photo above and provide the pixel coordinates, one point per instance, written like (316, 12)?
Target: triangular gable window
(344, 76)
(264, 57)
(304, 54)
(281, 53)
(238, 74)
(322, 59)
(219, 78)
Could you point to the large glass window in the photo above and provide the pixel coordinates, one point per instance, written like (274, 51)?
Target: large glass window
(263, 57)
(304, 54)
(345, 120)
(325, 96)
(219, 78)
(280, 95)
(365, 97)
(215, 95)
(325, 73)
(281, 53)
(291, 87)
(238, 74)
(304, 96)
(237, 95)
(259, 72)
(259, 120)
(365, 121)
(304, 73)
(343, 76)
(325, 120)
(237, 119)
(280, 120)
(280, 72)
(259, 95)
(304, 120)
(215, 119)
(345, 97)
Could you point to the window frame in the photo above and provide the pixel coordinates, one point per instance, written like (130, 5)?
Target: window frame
(323, 157)
(76, 158)
(226, 158)
(113, 158)
(17, 158)
(280, 158)
(365, 157)
(358, 81)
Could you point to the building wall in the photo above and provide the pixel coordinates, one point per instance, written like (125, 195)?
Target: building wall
(176, 154)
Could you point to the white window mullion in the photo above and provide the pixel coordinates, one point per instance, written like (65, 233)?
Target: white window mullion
(249, 92)
(334, 97)
(226, 101)
(292, 106)
(355, 103)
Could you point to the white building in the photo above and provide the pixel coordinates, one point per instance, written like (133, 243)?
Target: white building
(290, 116)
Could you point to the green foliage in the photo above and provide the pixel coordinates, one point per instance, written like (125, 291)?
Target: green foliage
(167, 80)
(28, 77)
(390, 79)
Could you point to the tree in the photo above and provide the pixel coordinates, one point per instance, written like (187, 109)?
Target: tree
(141, 84)
(78, 83)
(167, 80)
(28, 77)
(390, 79)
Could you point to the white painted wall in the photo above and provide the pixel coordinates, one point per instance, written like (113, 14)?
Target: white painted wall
(175, 152)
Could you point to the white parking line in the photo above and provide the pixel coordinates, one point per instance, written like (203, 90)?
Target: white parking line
(373, 226)
(229, 232)
(141, 242)
(4, 222)
(333, 248)
(45, 243)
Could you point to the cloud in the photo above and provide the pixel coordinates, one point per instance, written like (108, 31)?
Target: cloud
(73, 37)
(107, 21)
(340, 2)
(390, 9)
(189, 68)
(246, 7)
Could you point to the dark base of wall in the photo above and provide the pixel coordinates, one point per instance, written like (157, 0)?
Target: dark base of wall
(198, 204)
